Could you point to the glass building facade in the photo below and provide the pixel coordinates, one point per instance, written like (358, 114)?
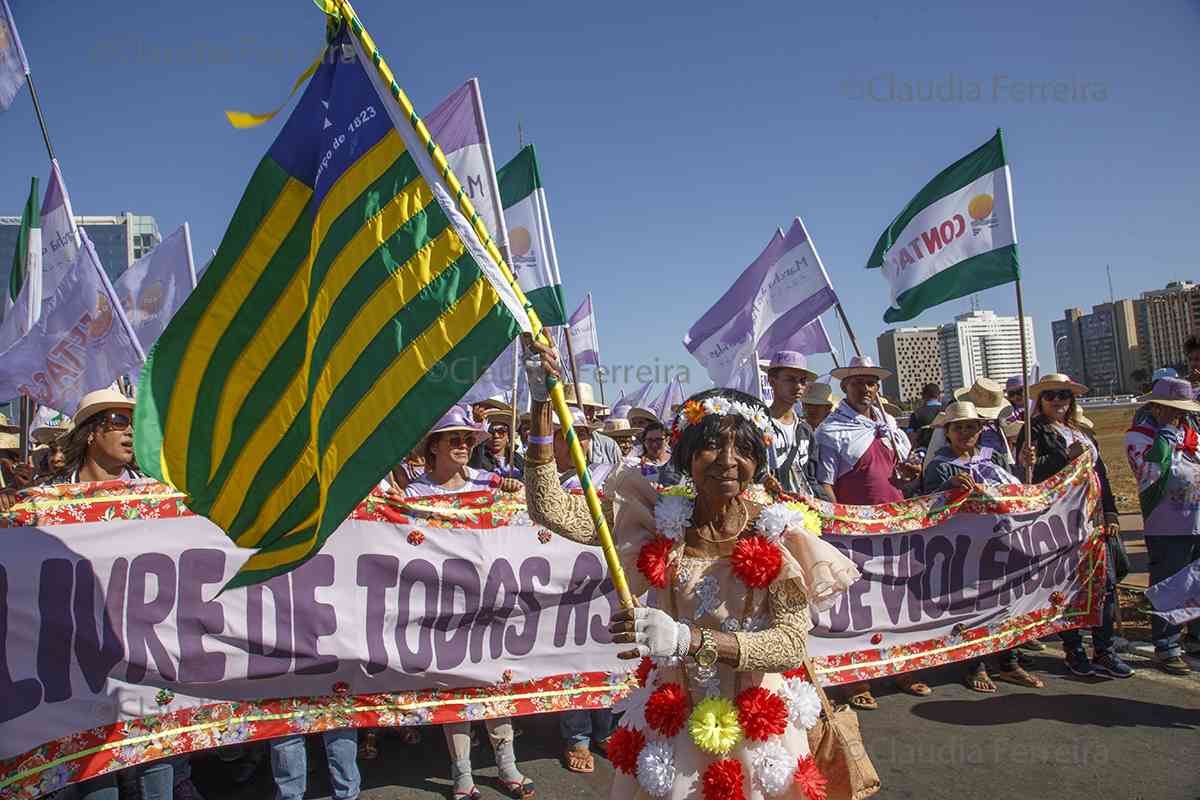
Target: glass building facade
(119, 240)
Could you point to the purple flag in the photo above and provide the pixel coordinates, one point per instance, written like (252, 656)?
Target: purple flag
(635, 400)
(1177, 599)
(782, 291)
(671, 396)
(82, 342)
(14, 67)
(155, 286)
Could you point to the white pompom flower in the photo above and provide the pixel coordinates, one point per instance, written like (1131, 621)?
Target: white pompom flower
(774, 519)
(672, 514)
(634, 707)
(656, 768)
(717, 405)
(772, 767)
(803, 701)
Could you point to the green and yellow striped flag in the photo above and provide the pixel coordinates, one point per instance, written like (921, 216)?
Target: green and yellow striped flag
(354, 299)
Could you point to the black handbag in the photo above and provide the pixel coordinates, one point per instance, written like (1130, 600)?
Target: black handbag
(1119, 556)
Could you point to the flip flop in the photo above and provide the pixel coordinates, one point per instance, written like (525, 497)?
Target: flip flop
(579, 760)
(474, 794)
(521, 790)
(1020, 677)
(915, 688)
(864, 701)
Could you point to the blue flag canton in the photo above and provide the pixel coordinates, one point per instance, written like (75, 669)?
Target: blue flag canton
(339, 117)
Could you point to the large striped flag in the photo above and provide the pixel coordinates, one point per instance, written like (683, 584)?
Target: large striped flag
(354, 298)
(530, 239)
(956, 237)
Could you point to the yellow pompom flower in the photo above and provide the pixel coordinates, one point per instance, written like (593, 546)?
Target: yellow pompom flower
(812, 521)
(714, 726)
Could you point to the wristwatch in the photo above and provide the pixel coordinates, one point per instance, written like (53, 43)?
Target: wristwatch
(706, 655)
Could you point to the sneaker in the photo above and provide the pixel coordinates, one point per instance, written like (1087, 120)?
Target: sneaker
(1175, 665)
(1111, 664)
(1191, 645)
(1032, 645)
(1078, 663)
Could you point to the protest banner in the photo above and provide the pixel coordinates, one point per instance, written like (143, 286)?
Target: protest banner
(117, 646)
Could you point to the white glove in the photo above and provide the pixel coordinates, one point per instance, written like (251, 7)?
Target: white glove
(536, 374)
(658, 635)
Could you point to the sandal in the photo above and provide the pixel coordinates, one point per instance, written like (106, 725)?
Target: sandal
(522, 789)
(1020, 677)
(474, 794)
(913, 686)
(978, 680)
(862, 699)
(579, 759)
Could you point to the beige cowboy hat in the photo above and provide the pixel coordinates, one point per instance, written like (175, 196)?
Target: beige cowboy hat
(986, 395)
(960, 411)
(10, 441)
(1174, 393)
(620, 428)
(819, 394)
(100, 400)
(1012, 428)
(497, 415)
(6, 426)
(1056, 380)
(586, 396)
(890, 407)
(1087, 424)
(578, 421)
(644, 416)
(458, 419)
(861, 365)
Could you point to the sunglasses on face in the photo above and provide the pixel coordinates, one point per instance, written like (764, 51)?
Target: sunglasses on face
(116, 420)
(458, 440)
(655, 440)
(1057, 394)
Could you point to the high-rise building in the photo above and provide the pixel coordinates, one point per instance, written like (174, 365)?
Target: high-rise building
(1165, 318)
(914, 357)
(119, 240)
(1100, 349)
(980, 344)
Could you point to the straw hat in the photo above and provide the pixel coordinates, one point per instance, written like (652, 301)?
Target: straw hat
(861, 365)
(791, 359)
(493, 415)
(49, 434)
(458, 419)
(1056, 380)
(1012, 427)
(100, 400)
(890, 407)
(620, 428)
(642, 417)
(1173, 393)
(10, 441)
(1086, 423)
(578, 421)
(819, 394)
(960, 411)
(6, 426)
(986, 395)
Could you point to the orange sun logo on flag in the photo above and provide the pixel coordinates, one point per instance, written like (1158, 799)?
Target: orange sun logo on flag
(103, 319)
(980, 206)
(519, 241)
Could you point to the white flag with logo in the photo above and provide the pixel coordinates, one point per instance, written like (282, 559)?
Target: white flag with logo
(583, 334)
(60, 234)
(155, 286)
(530, 239)
(82, 342)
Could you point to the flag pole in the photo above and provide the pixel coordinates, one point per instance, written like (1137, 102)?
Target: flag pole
(574, 369)
(346, 12)
(512, 426)
(1024, 374)
(37, 109)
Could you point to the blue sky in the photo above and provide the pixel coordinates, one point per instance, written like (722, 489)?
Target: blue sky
(674, 139)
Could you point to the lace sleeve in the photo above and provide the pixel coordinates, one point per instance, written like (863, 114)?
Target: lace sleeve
(780, 647)
(562, 512)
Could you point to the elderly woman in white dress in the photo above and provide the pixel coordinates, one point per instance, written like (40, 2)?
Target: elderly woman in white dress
(724, 703)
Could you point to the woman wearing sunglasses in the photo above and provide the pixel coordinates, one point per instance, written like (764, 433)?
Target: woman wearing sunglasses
(1057, 438)
(100, 448)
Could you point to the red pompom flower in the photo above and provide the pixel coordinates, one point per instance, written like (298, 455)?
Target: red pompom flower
(652, 560)
(624, 747)
(761, 713)
(756, 561)
(723, 780)
(810, 779)
(666, 709)
(644, 668)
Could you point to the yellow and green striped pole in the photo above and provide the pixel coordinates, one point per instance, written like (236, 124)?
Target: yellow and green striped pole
(343, 9)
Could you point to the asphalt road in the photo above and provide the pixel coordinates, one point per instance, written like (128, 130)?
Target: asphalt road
(1136, 739)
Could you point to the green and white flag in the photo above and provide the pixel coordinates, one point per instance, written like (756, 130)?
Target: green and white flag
(24, 296)
(530, 240)
(956, 237)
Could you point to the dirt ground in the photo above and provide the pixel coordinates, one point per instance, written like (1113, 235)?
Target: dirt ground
(1111, 424)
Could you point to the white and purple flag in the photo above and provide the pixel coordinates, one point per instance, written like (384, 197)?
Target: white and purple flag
(14, 67)
(1177, 599)
(671, 396)
(784, 290)
(155, 286)
(60, 234)
(460, 129)
(583, 334)
(636, 400)
(81, 343)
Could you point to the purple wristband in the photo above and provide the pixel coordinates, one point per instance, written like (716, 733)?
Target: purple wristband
(541, 439)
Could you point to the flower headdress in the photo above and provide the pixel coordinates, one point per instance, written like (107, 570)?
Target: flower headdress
(695, 410)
